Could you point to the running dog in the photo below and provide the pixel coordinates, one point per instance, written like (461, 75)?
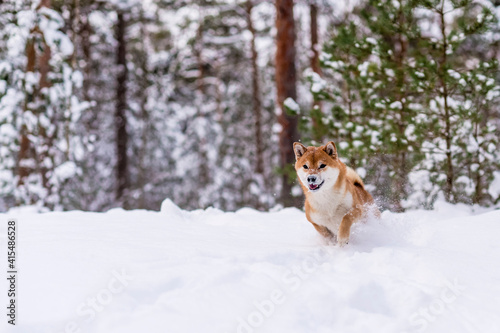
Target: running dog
(335, 194)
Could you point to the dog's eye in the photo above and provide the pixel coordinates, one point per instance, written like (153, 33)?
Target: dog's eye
(305, 167)
(322, 166)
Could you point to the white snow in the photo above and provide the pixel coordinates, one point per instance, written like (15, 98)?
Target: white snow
(292, 105)
(363, 68)
(396, 105)
(494, 188)
(318, 84)
(389, 72)
(419, 74)
(210, 271)
(454, 74)
(343, 145)
(357, 143)
(66, 170)
(361, 172)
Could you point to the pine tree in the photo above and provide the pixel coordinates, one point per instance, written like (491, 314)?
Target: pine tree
(41, 107)
(395, 99)
(460, 142)
(408, 107)
(347, 91)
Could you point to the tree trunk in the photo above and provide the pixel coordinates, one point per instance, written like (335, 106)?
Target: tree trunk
(198, 47)
(25, 144)
(314, 39)
(85, 32)
(203, 169)
(401, 96)
(36, 62)
(122, 181)
(74, 22)
(316, 107)
(143, 176)
(285, 84)
(257, 103)
(447, 116)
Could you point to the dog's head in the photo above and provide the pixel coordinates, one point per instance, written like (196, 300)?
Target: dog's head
(317, 167)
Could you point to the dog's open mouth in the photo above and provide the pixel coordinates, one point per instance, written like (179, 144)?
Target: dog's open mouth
(315, 187)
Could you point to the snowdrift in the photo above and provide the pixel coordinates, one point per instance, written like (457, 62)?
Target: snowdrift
(210, 271)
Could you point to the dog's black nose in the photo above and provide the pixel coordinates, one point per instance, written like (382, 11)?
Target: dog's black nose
(311, 179)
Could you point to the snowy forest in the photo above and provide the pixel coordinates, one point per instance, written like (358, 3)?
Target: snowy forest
(125, 103)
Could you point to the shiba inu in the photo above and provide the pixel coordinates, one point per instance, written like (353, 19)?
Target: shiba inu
(335, 194)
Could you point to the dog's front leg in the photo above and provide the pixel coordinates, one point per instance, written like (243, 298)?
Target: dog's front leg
(324, 231)
(345, 229)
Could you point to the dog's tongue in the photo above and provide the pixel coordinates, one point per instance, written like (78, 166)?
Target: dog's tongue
(313, 186)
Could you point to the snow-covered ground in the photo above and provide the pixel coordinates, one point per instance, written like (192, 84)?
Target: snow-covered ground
(210, 271)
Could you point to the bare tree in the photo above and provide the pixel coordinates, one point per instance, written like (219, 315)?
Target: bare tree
(313, 11)
(122, 173)
(257, 102)
(317, 114)
(286, 87)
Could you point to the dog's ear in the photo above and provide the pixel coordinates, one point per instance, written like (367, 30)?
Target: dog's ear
(330, 149)
(299, 149)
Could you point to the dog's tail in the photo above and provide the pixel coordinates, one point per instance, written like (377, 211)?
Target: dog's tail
(355, 178)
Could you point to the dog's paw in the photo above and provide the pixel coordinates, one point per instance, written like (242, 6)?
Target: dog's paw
(343, 241)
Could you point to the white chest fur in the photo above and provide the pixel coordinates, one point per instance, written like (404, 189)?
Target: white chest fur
(329, 207)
